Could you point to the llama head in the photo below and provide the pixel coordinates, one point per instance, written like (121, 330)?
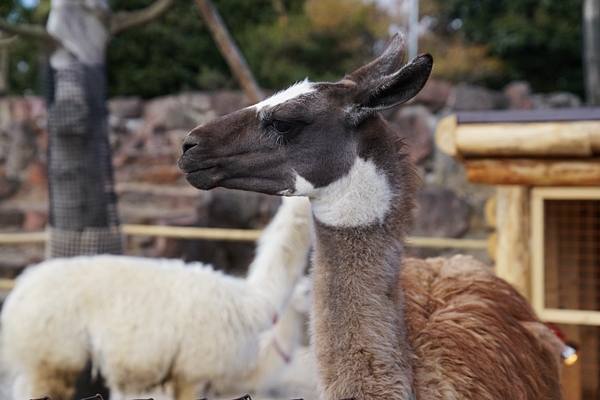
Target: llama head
(307, 139)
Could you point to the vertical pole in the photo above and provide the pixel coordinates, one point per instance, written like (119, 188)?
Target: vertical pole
(413, 30)
(591, 51)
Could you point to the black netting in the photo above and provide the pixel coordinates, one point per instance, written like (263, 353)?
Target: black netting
(83, 215)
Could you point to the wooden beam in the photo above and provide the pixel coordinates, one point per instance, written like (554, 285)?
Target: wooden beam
(547, 139)
(445, 135)
(512, 225)
(539, 172)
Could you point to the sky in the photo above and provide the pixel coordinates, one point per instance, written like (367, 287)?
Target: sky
(30, 3)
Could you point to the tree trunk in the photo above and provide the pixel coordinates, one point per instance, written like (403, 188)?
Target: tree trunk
(591, 51)
(83, 216)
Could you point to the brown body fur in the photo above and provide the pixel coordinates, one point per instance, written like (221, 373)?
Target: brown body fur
(474, 336)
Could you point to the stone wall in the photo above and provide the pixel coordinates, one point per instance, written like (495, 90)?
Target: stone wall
(146, 137)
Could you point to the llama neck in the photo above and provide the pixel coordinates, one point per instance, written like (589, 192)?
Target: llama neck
(358, 326)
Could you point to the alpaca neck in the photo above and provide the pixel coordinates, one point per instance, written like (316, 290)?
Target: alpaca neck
(358, 326)
(280, 260)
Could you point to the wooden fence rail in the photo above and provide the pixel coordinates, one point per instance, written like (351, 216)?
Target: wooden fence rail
(248, 235)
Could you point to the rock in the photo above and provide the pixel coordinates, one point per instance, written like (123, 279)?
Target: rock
(415, 125)
(226, 101)
(465, 97)
(434, 94)
(34, 221)
(223, 208)
(10, 216)
(8, 187)
(163, 113)
(126, 107)
(519, 95)
(440, 213)
(556, 100)
(37, 174)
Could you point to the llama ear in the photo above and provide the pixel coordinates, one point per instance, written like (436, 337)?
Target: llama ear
(397, 88)
(387, 63)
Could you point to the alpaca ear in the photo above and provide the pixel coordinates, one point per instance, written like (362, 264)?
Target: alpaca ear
(397, 88)
(387, 63)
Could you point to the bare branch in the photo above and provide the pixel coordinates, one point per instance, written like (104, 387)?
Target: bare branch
(124, 20)
(26, 30)
(5, 42)
(233, 56)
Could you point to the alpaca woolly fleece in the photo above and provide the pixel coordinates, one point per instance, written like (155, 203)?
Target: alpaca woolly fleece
(146, 322)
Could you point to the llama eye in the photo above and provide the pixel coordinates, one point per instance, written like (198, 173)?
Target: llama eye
(282, 127)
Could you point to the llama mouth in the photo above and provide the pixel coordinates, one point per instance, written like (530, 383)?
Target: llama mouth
(189, 171)
(203, 178)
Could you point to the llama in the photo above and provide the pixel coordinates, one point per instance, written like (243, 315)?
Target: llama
(383, 327)
(277, 350)
(145, 322)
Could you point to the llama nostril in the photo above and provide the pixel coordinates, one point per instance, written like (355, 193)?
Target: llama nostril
(187, 146)
(189, 142)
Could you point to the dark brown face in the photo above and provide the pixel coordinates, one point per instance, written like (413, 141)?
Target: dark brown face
(308, 136)
(264, 148)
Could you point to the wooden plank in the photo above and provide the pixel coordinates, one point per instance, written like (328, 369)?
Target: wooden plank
(565, 192)
(540, 172)
(433, 242)
(512, 225)
(23, 237)
(570, 317)
(537, 251)
(542, 115)
(572, 376)
(193, 232)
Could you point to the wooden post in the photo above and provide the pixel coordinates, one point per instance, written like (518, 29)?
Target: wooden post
(512, 225)
(230, 51)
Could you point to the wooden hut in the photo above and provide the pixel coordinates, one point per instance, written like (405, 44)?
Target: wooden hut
(546, 165)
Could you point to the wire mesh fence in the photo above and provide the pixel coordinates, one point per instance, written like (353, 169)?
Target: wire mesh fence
(83, 215)
(572, 282)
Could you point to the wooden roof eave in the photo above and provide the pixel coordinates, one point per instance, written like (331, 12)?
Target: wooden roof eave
(526, 147)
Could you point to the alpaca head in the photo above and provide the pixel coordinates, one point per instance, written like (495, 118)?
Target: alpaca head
(313, 138)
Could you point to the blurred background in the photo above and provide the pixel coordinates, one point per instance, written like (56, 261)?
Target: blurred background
(166, 69)
(477, 42)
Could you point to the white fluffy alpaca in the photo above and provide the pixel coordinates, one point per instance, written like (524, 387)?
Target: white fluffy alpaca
(277, 349)
(149, 322)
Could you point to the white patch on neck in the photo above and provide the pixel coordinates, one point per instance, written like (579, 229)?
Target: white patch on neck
(293, 91)
(360, 198)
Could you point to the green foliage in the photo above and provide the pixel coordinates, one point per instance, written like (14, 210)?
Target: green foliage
(25, 76)
(537, 40)
(177, 52)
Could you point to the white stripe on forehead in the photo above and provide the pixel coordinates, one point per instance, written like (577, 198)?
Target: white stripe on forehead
(293, 91)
